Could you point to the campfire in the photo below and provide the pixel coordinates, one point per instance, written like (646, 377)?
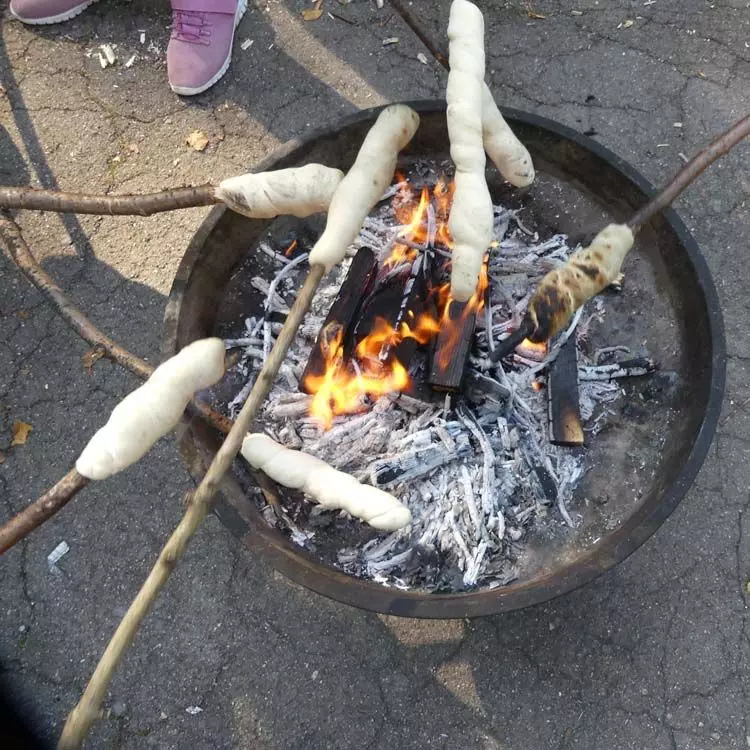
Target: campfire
(391, 380)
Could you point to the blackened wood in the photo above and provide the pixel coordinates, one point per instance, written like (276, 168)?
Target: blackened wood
(414, 305)
(449, 361)
(507, 345)
(562, 394)
(345, 307)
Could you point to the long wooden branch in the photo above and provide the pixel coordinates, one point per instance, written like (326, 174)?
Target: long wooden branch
(113, 205)
(559, 304)
(25, 260)
(85, 713)
(58, 496)
(411, 21)
(39, 511)
(694, 168)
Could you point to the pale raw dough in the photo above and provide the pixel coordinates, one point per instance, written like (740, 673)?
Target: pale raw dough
(325, 485)
(297, 192)
(365, 183)
(509, 155)
(470, 220)
(152, 410)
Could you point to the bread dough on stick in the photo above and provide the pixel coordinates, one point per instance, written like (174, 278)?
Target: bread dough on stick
(586, 273)
(297, 192)
(509, 155)
(325, 485)
(470, 219)
(153, 410)
(365, 183)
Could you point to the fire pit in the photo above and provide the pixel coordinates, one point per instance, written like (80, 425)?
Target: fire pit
(651, 446)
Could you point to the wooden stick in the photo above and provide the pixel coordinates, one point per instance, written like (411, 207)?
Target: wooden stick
(413, 24)
(559, 294)
(695, 167)
(58, 496)
(25, 260)
(85, 713)
(22, 256)
(40, 510)
(36, 199)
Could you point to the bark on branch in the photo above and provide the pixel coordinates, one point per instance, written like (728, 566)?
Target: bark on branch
(85, 713)
(58, 496)
(36, 199)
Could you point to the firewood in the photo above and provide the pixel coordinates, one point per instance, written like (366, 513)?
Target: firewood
(452, 347)
(562, 394)
(344, 310)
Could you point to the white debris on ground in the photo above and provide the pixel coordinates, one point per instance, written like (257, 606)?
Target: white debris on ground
(477, 470)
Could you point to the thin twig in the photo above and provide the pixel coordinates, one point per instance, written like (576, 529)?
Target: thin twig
(24, 259)
(424, 37)
(85, 713)
(36, 199)
(703, 159)
(40, 510)
(54, 499)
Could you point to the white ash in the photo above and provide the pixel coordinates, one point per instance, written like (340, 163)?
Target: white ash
(476, 472)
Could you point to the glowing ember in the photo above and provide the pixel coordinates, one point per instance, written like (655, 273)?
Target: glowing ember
(533, 350)
(291, 248)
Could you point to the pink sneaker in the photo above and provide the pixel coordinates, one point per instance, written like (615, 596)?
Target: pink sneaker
(200, 49)
(47, 11)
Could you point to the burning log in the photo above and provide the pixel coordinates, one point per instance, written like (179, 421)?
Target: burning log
(452, 347)
(562, 393)
(344, 310)
(455, 338)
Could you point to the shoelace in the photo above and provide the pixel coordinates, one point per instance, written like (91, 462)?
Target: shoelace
(191, 26)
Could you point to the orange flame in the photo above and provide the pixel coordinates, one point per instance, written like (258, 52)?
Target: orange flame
(415, 229)
(533, 350)
(374, 369)
(453, 325)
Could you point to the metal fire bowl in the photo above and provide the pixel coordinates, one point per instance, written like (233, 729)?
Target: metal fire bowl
(669, 301)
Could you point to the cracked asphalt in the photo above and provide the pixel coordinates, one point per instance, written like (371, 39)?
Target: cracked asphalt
(654, 655)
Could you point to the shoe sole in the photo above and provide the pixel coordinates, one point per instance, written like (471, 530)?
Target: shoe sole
(188, 91)
(72, 13)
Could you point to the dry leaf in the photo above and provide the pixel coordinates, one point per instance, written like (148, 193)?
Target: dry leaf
(536, 16)
(311, 14)
(390, 40)
(92, 356)
(197, 140)
(20, 432)
(627, 24)
(2, 457)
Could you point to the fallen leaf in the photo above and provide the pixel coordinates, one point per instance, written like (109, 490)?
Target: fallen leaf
(197, 140)
(92, 356)
(390, 40)
(2, 457)
(20, 432)
(702, 74)
(534, 15)
(311, 14)
(627, 24)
